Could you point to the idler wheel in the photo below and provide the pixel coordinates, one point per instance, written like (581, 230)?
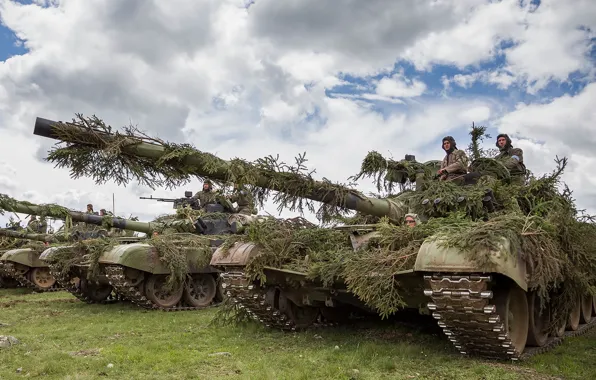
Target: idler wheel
(156, 292)
(95, 292)
(574, 315)
(42, 278)
(538, 321)
(301, 316)
(512, 307)
(201, 290)
(586, 314)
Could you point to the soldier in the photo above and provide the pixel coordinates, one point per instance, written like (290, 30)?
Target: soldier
(33, 225)
(411, 220)
(244, 200)
(455, 163)
(207, 195)
(512, 158)
(90, 209)
(103, 212)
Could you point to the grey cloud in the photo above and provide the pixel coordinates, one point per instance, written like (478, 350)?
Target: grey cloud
(364, 29)
(145, 29)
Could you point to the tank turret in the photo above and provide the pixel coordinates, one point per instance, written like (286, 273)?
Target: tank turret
(482, 274)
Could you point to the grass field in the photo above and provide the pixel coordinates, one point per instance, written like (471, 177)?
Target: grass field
(63, 338)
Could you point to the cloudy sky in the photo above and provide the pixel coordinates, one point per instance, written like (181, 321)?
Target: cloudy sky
(334, 79)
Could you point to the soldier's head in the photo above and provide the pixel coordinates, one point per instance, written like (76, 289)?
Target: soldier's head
(89, 207)
(103, 212)
(503, 141)
(448, 143)
(207, 186)
(33, 217)
(411, 220)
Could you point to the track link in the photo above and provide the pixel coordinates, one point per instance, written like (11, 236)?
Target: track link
(251, 297)
(23, 280)
(66, 282)
(461, 304)
(134, 293)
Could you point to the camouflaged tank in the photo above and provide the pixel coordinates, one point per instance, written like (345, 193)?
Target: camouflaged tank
(132, 268)
(485, 310)
(6, 244)
(23, 264)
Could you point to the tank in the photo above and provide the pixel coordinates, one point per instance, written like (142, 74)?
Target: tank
(483, 298)
(23, 265)
(7, 243)
(135, 268)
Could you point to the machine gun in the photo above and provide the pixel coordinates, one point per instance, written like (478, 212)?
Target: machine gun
(188, 200)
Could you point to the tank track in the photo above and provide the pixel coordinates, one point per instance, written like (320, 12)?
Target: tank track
(461, 306)
(248, 295)
(64, 281)
(23, 280)
(117, 279)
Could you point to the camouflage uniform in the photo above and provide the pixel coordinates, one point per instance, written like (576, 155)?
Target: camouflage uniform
(244, 200)
(206, 197)
(33, 225)
(455, 163)
(512, 158)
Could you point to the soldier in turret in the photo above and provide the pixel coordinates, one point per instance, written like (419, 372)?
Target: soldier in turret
(244, 200)
(207, 195)
(512, 158)
(411, 220)
(455, 163)
(33, 225)
(90, 209)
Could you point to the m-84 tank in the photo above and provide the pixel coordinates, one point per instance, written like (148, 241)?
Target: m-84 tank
(136, 268)
(484, 257)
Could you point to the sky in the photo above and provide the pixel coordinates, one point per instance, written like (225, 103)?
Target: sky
(251, 78)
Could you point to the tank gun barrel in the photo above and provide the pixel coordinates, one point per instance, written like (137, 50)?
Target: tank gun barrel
(57, 212)
(46, 238)
(204, 165)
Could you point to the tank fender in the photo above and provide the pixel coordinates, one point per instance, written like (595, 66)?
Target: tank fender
(24, 256)
(239, 254)
(434, 258)
(50, 252)
(144, 257)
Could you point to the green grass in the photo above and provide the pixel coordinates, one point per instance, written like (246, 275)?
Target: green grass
(62, 338)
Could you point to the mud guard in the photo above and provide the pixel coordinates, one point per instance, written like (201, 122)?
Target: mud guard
(50, 252)
(24, 256)
(434, 258)
(144, 257)
(239, 254)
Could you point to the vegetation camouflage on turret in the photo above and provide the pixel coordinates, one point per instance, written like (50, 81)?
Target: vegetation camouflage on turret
(108, 161)
(539, 218)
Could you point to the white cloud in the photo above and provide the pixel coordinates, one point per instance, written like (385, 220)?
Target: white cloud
(400, 87)
(249, 83)
(568, 121)
(541, 44)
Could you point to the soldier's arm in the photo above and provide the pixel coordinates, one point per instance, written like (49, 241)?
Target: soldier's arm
(460, 162)
(516, 158)
(517, 154)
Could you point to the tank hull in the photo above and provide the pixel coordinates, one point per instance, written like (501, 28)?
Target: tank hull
(137, 273)
(468, 304)
(24, 266)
